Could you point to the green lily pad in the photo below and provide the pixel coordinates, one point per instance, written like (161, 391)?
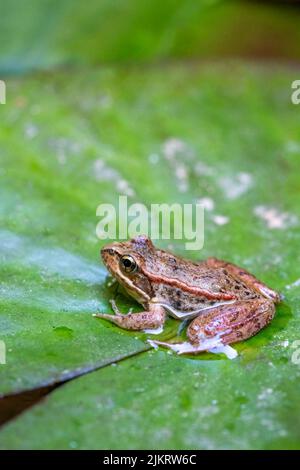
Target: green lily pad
(161, 401)
(67, 146)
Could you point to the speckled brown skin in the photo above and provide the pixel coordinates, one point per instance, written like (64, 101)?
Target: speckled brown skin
(233, 323)
(224, 299)
(245, 277)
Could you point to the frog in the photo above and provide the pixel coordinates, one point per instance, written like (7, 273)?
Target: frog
(221, 302)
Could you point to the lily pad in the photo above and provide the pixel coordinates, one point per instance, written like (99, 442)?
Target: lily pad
(161, 401)
(68, 146)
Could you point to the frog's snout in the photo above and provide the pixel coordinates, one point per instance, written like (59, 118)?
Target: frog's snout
(107, 252)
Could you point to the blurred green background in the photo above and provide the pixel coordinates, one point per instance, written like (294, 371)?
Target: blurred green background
(174, 101)
(41, 34)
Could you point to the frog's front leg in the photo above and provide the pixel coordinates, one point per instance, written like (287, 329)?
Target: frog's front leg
(225, 325)
(153, 318)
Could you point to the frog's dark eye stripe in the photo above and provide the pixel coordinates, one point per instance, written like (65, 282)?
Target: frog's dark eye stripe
(128, 264)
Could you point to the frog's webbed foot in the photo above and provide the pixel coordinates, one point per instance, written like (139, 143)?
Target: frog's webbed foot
(186, 347)
(150, 320)
(213, 345)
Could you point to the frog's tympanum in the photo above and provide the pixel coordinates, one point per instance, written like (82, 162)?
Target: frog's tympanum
(225, 303)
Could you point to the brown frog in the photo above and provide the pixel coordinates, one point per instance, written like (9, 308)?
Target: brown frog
(225, 303)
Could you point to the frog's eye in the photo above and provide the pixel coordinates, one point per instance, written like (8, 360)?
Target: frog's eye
(128, 264)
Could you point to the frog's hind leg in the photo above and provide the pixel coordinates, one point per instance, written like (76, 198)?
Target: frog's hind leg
(245, 277)
(232, 323)
(224, 325)
(151, 319)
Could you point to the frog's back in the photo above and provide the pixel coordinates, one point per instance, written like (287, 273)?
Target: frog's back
(184, 286)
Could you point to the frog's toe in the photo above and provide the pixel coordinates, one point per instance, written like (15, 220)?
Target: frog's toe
(117, 319)
(179, 348)
(188, 348)
(106, 316)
